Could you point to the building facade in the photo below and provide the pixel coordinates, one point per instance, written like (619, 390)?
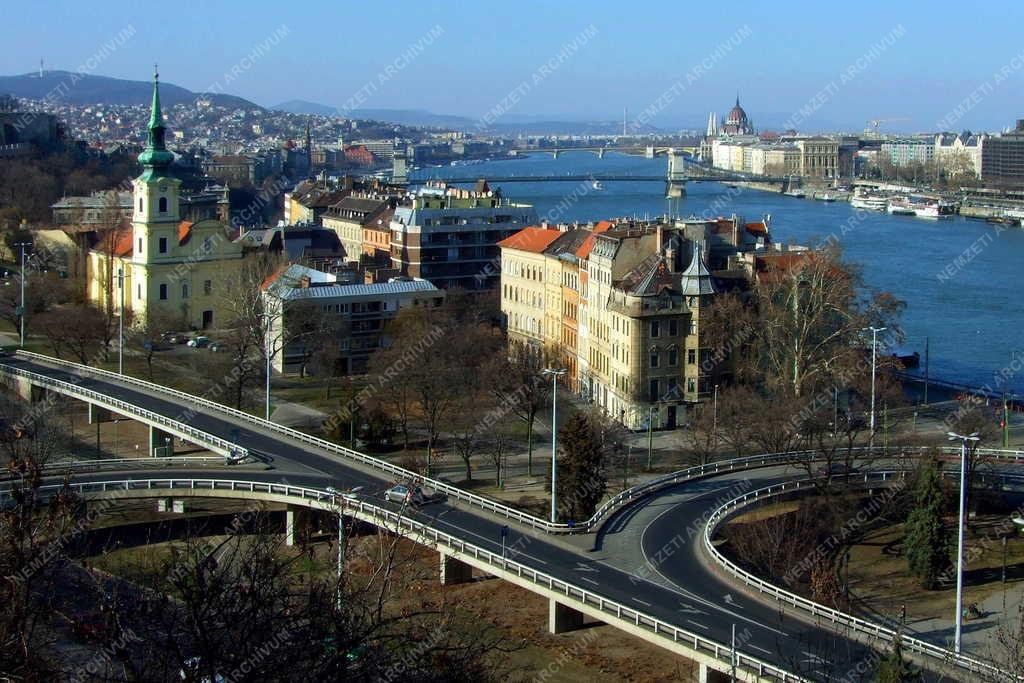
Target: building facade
(358, 314)
(622, 304)
(1002, 157)
(450, 235)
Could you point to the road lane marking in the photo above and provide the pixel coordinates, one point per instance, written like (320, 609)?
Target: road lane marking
(580, 567)
(759, 649)
(691, 621)
(641, 601)
(583, 578)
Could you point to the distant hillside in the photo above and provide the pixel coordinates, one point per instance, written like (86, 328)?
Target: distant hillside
(404, 117)
(75, 88)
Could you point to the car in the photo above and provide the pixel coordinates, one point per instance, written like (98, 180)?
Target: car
(836, 469)
(175, 338)
(199, 342)
(406, 495)
(217, 346)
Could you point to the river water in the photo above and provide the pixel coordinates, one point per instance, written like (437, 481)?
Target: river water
(957, 276)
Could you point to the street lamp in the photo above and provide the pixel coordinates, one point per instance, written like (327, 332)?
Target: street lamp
(555, 374)
(21, 246)
(120, 324)
(714, 427)
(350, 495)
(960, 534)
(874, 348)
(267, 351)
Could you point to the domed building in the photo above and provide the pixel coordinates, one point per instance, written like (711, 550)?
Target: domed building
(736, 121)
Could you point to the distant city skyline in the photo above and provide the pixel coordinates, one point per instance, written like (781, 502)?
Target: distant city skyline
(913, 67)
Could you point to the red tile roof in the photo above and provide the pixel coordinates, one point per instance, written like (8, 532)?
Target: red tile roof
(588, 244)
(184, 233)
(757, 228)
(533, 239)
(270, 279)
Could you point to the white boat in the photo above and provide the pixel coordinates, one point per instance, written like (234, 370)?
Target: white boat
(597, 185)
(869, 202)
(825, 197)
(799, 194)
(901, 207)
(933, 209)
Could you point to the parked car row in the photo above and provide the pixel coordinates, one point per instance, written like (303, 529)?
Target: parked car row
(195, 342)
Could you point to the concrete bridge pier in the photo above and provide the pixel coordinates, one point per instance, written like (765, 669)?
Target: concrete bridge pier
(709, 675)
(649, 152)
(562, 618)
(554, 155)
(454, 571)
(161, 444)
(297, 522)
(675, 190)
(99, 414)
(600, 155)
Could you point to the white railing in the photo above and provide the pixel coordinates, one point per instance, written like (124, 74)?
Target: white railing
(183, 461)
(817, 610)
(386, 518)
(454, 492)
(214, 443)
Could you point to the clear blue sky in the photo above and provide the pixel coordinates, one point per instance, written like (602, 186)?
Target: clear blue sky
(637, 51)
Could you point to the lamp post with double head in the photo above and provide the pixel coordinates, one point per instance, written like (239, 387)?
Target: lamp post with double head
(555, 373)
(22, 246)
(874, 350)
(960, 533)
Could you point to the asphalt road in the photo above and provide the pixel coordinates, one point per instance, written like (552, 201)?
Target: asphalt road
(700, 602)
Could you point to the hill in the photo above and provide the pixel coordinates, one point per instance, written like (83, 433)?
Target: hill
(79, 89)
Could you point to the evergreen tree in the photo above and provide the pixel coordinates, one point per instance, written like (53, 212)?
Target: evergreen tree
(581, 469)
(895, 669)
(927, 539)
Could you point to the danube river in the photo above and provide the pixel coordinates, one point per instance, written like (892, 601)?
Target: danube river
(956, 275)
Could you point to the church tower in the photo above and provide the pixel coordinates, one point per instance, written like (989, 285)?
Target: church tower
(155, 194)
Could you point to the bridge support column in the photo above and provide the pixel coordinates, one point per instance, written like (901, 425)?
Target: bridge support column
(709, 675)
(23, 387)
(161, 444)
(296, 522)
(454, 571)
(675, 190)
(562, 618)
(648, 154)
(99, 414)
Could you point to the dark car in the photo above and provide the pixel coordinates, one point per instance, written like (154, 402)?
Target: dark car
(175, 338)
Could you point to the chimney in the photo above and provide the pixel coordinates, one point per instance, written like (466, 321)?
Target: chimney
(659, 238)
(670, 256)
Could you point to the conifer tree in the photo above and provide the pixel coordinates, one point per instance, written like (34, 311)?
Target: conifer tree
(581, 469)
(895, 669)
(927, 539)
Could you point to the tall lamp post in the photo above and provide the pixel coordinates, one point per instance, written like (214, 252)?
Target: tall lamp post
(960, 533)
(555, 374)
(874, 349)
(714, 427)
(21, 246)
(268, 348)
(120, 324)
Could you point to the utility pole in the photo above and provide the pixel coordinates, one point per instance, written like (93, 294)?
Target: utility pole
(874, 353)
(650, 439)
(926, 340)
(555, 373)
(960, 534)
(120, 324)
(21, 312)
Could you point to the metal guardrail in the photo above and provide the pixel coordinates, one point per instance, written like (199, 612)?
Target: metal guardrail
(125, 463)
(70, 388)
(454, 492)
(816, 609)
(401, 523)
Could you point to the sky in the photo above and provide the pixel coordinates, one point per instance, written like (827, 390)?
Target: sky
(915, 65)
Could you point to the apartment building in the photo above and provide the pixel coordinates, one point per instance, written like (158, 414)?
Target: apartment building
(361, 312)
(450, 235)
(622, 304)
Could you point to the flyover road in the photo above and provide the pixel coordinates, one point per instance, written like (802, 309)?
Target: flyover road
(699, 601)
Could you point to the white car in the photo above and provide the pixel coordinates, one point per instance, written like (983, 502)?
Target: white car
(199, 342)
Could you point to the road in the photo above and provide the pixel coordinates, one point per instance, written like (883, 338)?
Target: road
(700, 601)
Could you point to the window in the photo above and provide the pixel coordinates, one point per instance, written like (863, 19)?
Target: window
(163, 245)
(673, 328)
(208, 287)
(654, 358)
(140, 246)
(653, 391)
(140, 204)
(691, 357)
(184, 290)
(655, 329)
(139, 291)
(673, 357)
(163, 205)
(163, 292)
(691, 386)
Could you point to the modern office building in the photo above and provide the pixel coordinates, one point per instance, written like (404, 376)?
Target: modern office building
(1002, 157)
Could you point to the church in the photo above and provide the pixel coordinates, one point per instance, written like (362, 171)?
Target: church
(171, 270)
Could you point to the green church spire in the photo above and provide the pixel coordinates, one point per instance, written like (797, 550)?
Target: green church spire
(155, 157)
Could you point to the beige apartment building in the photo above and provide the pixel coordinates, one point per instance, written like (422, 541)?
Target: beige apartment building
(623, 303)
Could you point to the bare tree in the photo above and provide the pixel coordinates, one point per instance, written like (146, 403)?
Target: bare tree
(515, 380)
